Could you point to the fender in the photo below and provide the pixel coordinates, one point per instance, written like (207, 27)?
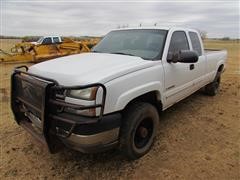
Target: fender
(219, 64)
(128, 96)
(221, 61)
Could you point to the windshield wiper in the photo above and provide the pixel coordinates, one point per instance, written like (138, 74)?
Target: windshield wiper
(121, 53)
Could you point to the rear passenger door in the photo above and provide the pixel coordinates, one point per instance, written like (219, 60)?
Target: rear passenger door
(201, 66)
(179, 77)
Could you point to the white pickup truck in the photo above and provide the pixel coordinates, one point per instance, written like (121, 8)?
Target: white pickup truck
(46, 40)
(112, 96)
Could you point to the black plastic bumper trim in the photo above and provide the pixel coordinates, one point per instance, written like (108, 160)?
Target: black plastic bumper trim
(91, 125)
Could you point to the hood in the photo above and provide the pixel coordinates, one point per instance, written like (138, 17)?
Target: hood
(88, 68)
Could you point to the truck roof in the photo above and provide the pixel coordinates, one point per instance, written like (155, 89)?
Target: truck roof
(50, 36)
(160, 27)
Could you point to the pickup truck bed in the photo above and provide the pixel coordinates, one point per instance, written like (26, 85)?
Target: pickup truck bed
(211, 51)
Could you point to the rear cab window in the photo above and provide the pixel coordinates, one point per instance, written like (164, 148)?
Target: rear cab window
(196, 45)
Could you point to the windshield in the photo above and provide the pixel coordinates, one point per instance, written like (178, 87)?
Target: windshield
(144, 43)
(40, 40)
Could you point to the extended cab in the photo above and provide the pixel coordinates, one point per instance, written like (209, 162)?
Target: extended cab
(112, 96)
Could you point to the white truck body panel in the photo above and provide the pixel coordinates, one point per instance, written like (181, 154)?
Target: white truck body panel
(127, 77)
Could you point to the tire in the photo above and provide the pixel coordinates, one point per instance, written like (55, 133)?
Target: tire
(138, 130)
(213, 88)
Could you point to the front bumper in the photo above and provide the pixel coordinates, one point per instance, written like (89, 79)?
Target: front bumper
(93, 137)
(93, 143)
(39, 107)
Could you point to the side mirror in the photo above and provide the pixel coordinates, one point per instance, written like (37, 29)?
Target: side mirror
(183, 56)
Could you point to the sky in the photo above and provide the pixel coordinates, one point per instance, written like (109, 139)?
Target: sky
(96, 18)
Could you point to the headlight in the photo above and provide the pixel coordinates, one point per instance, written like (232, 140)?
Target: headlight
(86, 94)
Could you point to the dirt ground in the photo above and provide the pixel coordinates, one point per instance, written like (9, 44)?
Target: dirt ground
(199, 138)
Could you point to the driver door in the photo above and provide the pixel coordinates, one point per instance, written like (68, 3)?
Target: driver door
(179, 77)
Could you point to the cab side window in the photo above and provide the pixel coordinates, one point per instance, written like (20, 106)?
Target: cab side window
(195, 43)
(47, 40)
(178, 42)
(56, 40)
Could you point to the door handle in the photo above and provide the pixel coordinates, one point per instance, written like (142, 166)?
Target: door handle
(191, 67)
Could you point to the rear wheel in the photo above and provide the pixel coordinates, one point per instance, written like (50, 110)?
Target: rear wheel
(213, 88)
(138, 129)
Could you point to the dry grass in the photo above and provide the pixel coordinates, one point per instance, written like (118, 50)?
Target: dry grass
(7, 44)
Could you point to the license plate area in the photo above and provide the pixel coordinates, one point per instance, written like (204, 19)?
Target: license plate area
(35, 120)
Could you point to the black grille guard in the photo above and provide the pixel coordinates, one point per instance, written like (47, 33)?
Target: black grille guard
(49, 105)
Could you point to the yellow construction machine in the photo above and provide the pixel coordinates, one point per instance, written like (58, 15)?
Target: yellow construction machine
(46, 48)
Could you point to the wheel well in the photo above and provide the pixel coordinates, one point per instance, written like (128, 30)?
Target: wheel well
(220, 69)
(150, 97)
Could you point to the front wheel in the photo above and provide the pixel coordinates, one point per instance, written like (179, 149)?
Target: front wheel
(138, 130)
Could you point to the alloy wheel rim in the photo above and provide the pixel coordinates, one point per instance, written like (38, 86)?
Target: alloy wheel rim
(143, 133)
